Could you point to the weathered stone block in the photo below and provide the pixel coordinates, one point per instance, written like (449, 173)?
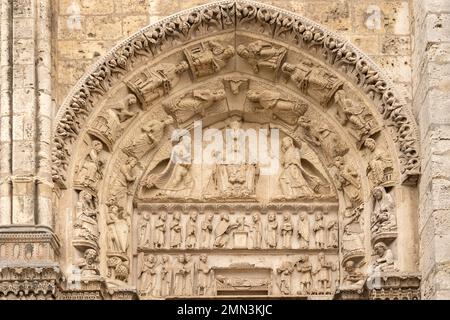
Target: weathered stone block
(382, 17)
(368, 44)
(21, 51)
(334, 15)
(132, 24)
(398, 67)
(396, 45)
(103, 27)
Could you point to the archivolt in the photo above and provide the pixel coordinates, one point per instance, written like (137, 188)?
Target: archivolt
(227, 17)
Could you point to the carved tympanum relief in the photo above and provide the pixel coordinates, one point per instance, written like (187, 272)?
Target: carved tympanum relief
(172, 226)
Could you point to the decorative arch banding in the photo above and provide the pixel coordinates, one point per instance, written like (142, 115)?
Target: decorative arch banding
(226, 16)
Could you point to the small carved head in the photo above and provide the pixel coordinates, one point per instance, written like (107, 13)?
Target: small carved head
(256, 216)
(193, 214)
(253, 95)
(303, 215)
(288, 68)
(210, 216)
(131, 99)
(286, 216)
(321, 256)
(90, 256)
(349, 266)
(319, 215)
(203, 257)
(370, 144)
(163, 215)
(242, 51)
(271, 216)
(287, 142)
(378, 193)
(380, 248)
(97, 145)
(225, 216)
(146, 216)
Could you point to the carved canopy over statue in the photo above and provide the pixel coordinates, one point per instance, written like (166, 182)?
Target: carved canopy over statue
(152, 216)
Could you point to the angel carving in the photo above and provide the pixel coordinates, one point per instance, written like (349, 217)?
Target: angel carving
(294, 180)
(175, 180)
(195, 102)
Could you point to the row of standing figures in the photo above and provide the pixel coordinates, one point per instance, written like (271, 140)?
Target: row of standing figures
(326, 235)
(184, 277)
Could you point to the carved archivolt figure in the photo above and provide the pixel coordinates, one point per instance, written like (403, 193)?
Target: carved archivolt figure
(266, 100)
(303, 230)
(333, 234)
(385, 258)
(261, 54)
(175, 230)
(206, 230)
(125, 110)
(323, 273)
(196, 102)
(319, 231)
(347, 181)
(383, 215)
(359, 120)
(295, 182)
(380, 169)
(159, 239)
(304, 267)
(210, 58)
(191, 230)
(176, 179)
(204, 276)
(151, 135)
(272, 230)
(118, 228)
(284, 282)
(257, 230)
(147, 275)
(122, 181)
(86, 225)
(313, 80)
(165, 276)
(155, 82)
(144, 227)
(320, 135)
(287, 229)
(91, 169)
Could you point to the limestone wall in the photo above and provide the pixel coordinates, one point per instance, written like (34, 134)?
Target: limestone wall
(431, 83)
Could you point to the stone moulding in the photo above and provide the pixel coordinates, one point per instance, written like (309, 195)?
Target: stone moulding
(20, 242)
(220, 16)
